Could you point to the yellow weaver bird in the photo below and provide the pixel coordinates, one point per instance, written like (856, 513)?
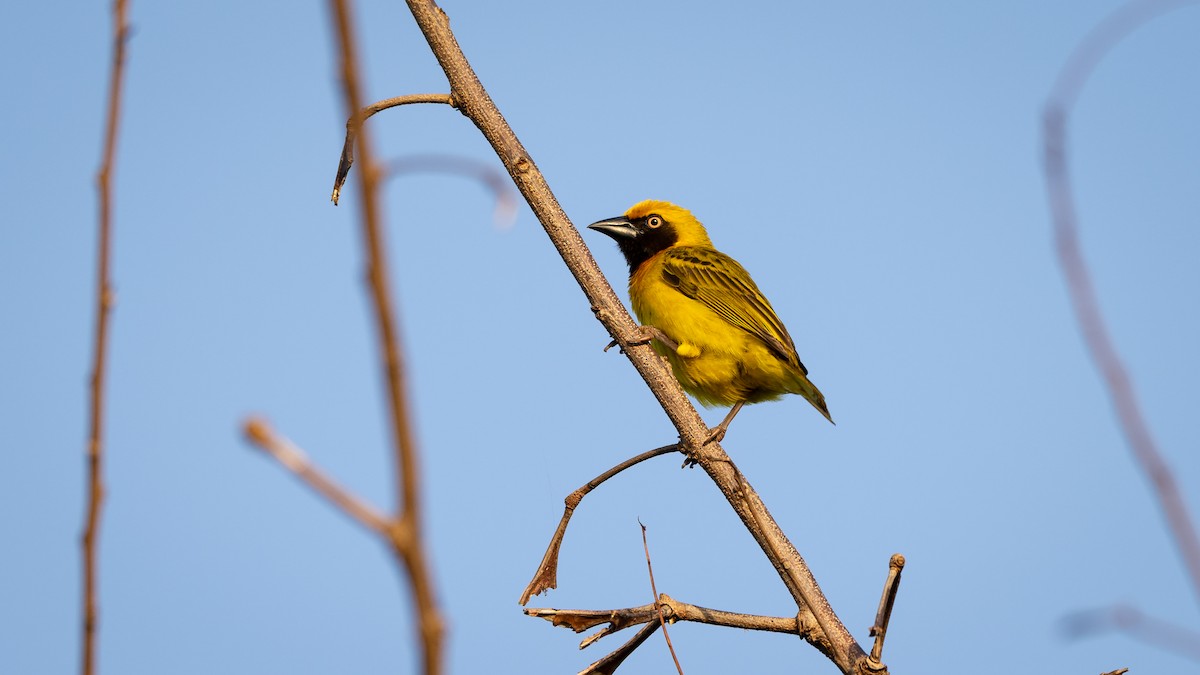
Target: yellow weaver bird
(705, 314)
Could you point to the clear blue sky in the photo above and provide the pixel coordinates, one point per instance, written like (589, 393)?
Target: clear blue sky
(876, 167)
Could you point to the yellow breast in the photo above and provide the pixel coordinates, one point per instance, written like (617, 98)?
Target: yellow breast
(718, 363)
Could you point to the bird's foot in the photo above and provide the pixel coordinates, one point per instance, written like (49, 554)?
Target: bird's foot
(716, 434)
(643, 335)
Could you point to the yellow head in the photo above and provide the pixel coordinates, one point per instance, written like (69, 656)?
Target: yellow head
(650, 227)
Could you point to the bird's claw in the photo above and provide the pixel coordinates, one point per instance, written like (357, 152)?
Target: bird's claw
(644, 335)
(716, 434)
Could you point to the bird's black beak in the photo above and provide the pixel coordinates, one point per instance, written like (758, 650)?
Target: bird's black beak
(618, 228)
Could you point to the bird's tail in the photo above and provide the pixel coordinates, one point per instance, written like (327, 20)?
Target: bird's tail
(802, 386)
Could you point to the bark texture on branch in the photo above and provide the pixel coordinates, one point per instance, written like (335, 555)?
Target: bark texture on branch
(474, 102)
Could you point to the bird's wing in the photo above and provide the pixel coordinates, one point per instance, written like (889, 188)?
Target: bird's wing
(721, 284)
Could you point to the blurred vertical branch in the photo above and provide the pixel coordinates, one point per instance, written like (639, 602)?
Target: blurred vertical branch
(1074, 75)
(104, 303)
(405, 532)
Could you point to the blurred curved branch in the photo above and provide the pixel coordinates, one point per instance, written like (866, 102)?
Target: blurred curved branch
(104, 302)
(1132, 622)
(505, 210)
(1074, 75)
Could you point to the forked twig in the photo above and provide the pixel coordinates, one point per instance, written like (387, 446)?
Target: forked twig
(546, 576)
(669, 610)
(609, 664)
(104, 303)
(1062, 98)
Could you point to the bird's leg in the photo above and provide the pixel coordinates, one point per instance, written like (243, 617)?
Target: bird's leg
(718, 432)
(643, 335)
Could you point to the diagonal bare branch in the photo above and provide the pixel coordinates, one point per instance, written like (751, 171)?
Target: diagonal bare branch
(474, 102)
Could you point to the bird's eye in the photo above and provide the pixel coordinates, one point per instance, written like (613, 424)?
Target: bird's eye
(654, 222)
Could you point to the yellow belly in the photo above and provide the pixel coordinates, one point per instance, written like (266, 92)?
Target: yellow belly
(717, 362)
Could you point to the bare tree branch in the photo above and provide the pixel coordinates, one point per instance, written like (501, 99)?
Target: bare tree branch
(406, 534)
(104, 302)
(671, 611)
(474, 102)
(1071, 79)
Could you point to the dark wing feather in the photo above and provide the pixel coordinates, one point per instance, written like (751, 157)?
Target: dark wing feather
(721, 284)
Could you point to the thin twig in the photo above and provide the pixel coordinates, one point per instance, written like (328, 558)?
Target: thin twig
(260, 433)
(473, 101)
(104, 303)
(546, 576)
(355, 122)
(884, 614)
(406, 538)
(609, 664)
(1073, 76)
(657, 603)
